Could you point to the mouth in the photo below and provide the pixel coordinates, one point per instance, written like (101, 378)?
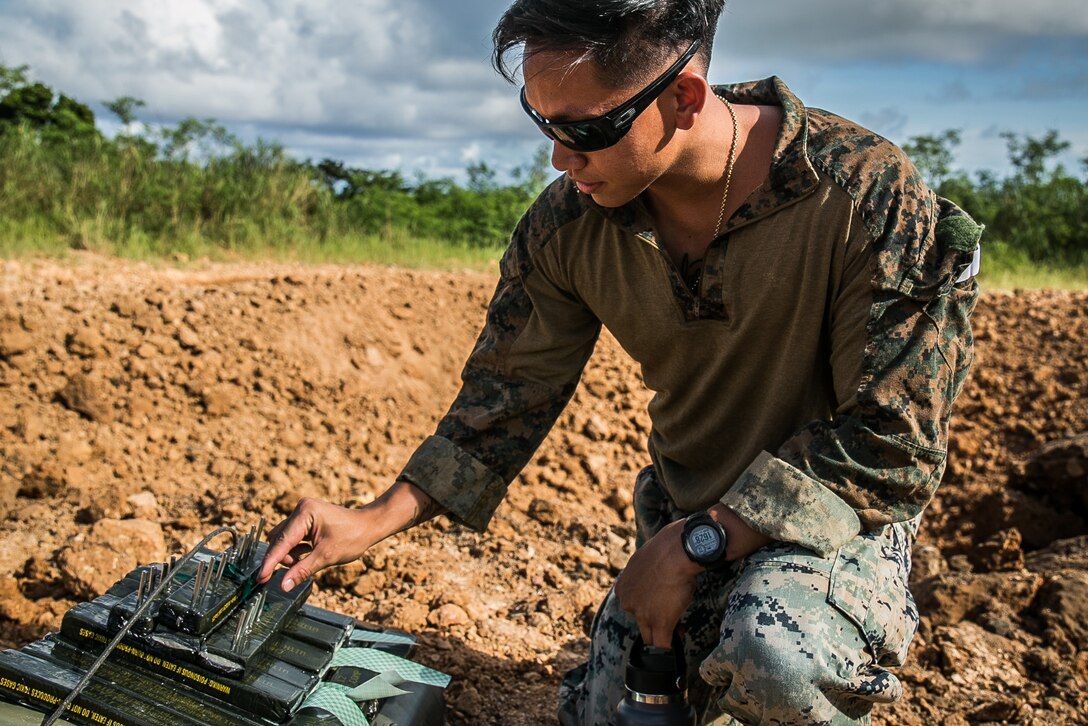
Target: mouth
(587, 187)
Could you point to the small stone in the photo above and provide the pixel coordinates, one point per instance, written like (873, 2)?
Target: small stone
(448, 615)
(47, 479)
(544, 512)
(85, 396)
(144, 505)
(188, 338)
(596, 428)
(222, 399)
(84, 342)
(15, 342)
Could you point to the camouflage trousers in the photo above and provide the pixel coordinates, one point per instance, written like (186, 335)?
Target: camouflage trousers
(782, 637)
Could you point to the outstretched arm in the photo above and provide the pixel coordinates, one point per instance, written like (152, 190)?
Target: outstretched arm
(319, 534)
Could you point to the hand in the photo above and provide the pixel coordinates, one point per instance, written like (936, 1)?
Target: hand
(657, 585)
(316, 535)
(319, 534)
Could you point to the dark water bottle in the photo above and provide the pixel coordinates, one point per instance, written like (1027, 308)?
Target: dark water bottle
(656, 681)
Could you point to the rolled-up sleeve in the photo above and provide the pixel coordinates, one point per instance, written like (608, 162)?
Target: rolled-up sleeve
(524, 368)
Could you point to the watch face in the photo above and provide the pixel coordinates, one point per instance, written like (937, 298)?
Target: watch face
(704, 541)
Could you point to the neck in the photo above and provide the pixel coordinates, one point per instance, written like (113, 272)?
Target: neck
(694, 182)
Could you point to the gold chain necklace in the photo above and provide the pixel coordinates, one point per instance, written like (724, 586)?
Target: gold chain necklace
(728, 167)
(692, 271)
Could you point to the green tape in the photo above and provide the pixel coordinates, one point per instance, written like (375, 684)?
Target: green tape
(332, 698)
(380, 686)
(380, 662)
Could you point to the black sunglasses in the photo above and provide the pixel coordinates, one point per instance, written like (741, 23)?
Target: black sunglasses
(603, 131)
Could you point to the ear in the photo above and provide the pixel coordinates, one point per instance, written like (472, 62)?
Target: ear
(692, 91)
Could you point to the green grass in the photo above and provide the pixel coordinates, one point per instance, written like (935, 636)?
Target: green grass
(1002, 268)
(1007, 269)
(395, 248)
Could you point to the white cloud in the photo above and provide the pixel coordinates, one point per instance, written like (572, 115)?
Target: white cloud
(378, 82)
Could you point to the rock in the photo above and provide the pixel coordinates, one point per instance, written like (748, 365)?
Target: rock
(47, 479)
(342, 577)
(71, 449)
(1063, 604)
(544, 511)
(84, 342)
(14, 606)
(127, 307)
(1002, 710)
(188, 338)
(448, 615)
(1064, 554)
(951, 597)
(926, 562)
(596, 428)
(622, 500)
(14, 341)
(144, 505)
(1058, 472)
(111, 549)
(86, 397)
(222, 399)
(469, 702)
(292, 438)
(9, 488)
(1001, 552)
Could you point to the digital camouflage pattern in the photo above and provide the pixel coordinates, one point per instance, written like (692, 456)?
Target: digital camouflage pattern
(807, 385)
(786, 637)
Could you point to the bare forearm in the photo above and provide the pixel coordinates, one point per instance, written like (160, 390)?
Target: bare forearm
(743, 540)
(401, 507)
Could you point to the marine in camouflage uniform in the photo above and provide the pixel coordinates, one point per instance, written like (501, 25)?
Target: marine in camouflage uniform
(806, 384)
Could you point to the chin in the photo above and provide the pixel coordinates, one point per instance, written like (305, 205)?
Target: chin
(611, 200)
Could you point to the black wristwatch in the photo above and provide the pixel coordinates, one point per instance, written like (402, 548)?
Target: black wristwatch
(704, 540)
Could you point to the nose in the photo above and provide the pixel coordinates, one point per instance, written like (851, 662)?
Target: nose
(564, 159)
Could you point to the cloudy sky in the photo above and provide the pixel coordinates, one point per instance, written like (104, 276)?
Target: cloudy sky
(406, 84)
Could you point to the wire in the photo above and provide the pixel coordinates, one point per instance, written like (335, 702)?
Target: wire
(60, 709)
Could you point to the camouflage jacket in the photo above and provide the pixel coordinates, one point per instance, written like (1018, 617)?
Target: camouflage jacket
(807, 385)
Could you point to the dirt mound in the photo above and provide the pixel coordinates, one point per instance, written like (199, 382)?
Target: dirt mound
(141, 407)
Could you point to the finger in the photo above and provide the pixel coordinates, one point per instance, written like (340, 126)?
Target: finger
(291, 532)
(647, 633)
(305, 568)
(661, 637)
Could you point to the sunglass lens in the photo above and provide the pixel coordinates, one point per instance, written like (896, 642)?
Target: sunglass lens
(579, 137)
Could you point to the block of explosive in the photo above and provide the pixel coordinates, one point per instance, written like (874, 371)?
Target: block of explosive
(206, 644)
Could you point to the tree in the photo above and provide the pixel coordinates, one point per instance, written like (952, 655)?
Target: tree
(36, 105)
(1030, 155)
(932, 155)
(124, 108)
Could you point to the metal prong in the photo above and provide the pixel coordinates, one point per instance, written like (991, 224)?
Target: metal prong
(196, 582)
(239, 631)
(220, 566)
(142, 586)
(258, 606)
(207, 579)
(260, 530)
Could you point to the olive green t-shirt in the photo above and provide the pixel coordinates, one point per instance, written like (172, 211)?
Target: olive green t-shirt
(807, 383)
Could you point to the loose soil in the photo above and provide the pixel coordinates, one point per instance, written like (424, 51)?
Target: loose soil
(141, 407)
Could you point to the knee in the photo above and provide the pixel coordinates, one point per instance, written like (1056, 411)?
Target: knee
(767, 656)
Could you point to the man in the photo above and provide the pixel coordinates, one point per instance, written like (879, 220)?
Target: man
(798, 301)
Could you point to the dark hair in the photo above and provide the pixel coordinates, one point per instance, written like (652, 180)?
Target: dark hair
(627, 39)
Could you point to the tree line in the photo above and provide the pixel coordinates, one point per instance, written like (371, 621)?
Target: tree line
(160, 186)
